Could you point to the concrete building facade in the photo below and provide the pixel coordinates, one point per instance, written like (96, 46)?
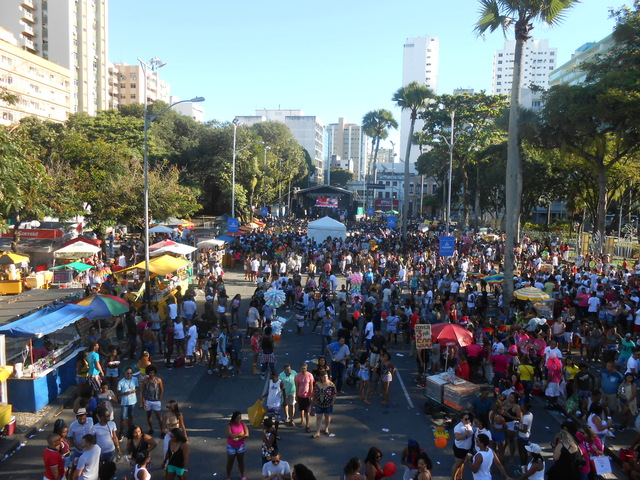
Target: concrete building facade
(539, 61)
(420, 61)
(570, 73)
(131, 85)
(306, 129)
(347, 144)
(42, 88)
(70, 33)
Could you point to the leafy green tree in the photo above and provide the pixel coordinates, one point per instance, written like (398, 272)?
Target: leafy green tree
(519, 14)
(376, 125)
(340, 177)
(412, 97)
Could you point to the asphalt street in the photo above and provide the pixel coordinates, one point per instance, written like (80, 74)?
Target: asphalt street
(208, 401)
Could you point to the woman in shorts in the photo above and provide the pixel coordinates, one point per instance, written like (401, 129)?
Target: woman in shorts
(237, 432)
(463, 440)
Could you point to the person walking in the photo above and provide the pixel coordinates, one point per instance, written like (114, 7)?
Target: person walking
(237, 432)
(53, 461)
(176, 460)
(88, 465)
(304, 390)
(340, 353)
(324, 398)
(288, 377)
(127, 389)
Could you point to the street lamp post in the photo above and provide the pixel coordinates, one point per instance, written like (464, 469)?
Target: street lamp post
(153, 65)
(235, 124)
(264, 190)
(451, 144)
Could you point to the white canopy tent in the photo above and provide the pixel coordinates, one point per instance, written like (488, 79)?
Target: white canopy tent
(212, 242)
(178, 249)
(77, 250)
(325, 227)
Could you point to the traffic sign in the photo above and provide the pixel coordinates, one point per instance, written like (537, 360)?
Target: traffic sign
(265, 211)
(233, 225)
(447, 246)
(370, 212)
(375, 186)
(392, 221)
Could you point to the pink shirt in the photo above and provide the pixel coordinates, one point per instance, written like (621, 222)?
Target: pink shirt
(500, 363)
(236, 429)
(304, 384)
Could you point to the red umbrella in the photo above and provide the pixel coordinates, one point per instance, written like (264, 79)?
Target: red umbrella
(449, 334)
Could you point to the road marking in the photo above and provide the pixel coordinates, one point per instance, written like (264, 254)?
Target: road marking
(404, 389)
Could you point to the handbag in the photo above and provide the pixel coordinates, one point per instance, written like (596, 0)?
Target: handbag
(256, 414)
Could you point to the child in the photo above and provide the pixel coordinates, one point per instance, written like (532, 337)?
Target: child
(364, 374)
(105, 398)
(269, 440)
(352, 373)
(301, 311)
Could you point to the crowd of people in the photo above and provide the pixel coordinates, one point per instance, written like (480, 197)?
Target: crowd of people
(364, 296)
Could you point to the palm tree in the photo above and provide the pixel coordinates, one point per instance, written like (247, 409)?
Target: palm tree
(376, 124)
(518, 14)
(412, 97)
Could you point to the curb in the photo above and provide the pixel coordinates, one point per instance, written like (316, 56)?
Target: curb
(11, 444)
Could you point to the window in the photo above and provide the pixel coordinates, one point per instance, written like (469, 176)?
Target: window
(123, 85)
(133, 85)
(133, 96)
(7, 116)
(500, 54)
(434, 189)
(133, 76)
(499, 62)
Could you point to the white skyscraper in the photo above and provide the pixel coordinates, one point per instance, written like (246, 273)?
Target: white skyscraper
(347, 142)
(420, 61)
(70, 33)
(539, 61)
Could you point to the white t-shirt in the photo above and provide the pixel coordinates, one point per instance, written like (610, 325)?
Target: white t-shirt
(89, 464)
(466, 443)
(193, 334)
(527, 419)
(548, 351)
(104, 436)
(281, 469)
(594, 303)
(632, 365)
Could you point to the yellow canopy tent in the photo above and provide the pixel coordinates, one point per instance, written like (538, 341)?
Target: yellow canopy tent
(17, 258)
(163, 265)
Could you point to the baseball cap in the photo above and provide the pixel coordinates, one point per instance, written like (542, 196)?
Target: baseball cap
(81, 411)
(533, 448)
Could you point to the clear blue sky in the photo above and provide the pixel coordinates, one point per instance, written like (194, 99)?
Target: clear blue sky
(331, 58)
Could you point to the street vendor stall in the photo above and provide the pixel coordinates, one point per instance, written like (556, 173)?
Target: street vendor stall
(77, 249)
(167, 273)
(44, 373)
(67, 273)
(12, 267)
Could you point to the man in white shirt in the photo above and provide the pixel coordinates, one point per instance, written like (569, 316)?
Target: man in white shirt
(551, 348)
(192, 341)
(89, 462)
(633, 363)
(189, 308)
(82, 426)
(276, 469)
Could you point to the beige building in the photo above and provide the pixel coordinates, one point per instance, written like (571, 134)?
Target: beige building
(42, 88)
(130, 85)
(347, 145)
(70, 33)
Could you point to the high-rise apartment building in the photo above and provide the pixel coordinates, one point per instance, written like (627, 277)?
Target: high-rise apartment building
(131, 85)
(41, 88)
(347, 143)
(70, 33)
(570, 73)
(420, 59)
(539, 61)
(306, 129)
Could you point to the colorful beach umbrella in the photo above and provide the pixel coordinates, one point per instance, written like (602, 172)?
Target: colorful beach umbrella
(104, 306)
(530, 293)
(275, 298)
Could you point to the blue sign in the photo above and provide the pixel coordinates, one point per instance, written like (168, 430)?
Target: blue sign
(392, 221)
(447, 246)
(370, 212)
(233, 224)
(265, 211)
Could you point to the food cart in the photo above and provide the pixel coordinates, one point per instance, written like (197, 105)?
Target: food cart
(12, 271)
(167, 273)
(38, 381)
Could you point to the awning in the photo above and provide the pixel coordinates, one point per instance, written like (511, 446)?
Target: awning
(212, 242)
(78, 249)
(177, 249)
(16, 258)
(225, 238)
(161, 229)
(78, 266)
(45, 321)
(163, 265)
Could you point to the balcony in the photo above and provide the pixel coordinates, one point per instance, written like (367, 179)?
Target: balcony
(27, 16)
(28, 3)
(28, 30)
(29, 45)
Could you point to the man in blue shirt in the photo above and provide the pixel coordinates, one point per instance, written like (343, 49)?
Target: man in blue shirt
(611, 379)
(339, 352)
(127, 388)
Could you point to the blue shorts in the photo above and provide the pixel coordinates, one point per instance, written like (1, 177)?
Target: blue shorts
(234, 451)
(498, 436)
(127, 411)
(327, 410)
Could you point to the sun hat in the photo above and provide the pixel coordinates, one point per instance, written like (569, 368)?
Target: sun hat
(533, 448)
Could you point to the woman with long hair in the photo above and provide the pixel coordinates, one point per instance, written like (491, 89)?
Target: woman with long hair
(627, 394)
(301, 472)
(373, 465)
(590, 445)
(237, 432)
(174, 419)
(535, 468)
(351, 470)
(176, 460)
(139, 442)
(424, 467)
(498, 429)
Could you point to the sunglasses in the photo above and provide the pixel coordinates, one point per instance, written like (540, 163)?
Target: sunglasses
(378, 456)
(275, 462)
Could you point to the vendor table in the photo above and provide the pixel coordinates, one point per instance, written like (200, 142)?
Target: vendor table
(28, 394)
(10, 287)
